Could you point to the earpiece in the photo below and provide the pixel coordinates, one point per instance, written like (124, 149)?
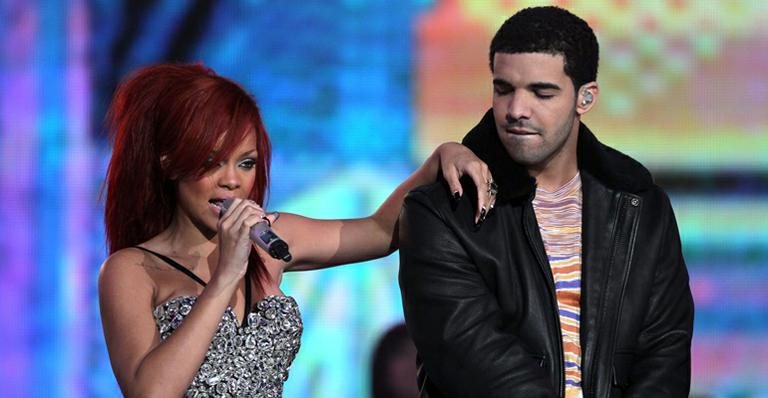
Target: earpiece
(587, 98)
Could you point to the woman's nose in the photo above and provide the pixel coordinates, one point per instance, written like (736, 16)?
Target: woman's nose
(228, 177)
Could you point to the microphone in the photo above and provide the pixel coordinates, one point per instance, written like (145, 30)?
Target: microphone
(264, 237)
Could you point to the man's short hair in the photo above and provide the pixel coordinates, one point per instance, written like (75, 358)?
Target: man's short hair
(551, 30)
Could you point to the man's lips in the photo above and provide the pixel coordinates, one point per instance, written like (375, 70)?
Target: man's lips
(520, 131)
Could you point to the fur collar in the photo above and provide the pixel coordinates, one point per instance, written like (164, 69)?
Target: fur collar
(609, 166)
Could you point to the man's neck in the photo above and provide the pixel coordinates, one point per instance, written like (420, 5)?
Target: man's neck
(550, 179)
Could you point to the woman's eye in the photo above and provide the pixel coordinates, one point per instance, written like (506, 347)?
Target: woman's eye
(248, 164)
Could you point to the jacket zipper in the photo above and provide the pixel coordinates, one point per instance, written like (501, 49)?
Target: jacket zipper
(541, 256)
(622, 240)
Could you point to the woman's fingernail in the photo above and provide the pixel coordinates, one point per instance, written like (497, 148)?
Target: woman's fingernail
(456, 198)
(482, 215)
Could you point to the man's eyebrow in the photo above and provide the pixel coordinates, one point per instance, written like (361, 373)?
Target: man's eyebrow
(532, 86)
(544, 86)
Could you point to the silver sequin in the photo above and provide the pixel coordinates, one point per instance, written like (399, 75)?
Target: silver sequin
(248, 361)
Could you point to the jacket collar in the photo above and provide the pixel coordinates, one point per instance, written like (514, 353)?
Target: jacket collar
(609, 166)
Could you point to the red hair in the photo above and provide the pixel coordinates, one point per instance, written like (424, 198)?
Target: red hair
(183, 114)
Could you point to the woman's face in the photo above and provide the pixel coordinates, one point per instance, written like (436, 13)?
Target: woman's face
(199, 198)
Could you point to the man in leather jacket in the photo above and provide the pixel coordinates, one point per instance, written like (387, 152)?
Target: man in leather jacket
(575, 285)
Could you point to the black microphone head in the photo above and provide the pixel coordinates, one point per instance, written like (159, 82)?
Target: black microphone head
(279, 250)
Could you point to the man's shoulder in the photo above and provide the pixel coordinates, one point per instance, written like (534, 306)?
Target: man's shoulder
(437, 198)
(435, 194)
(646, 190)
(656, 197)
(438, 194)
(611, 166)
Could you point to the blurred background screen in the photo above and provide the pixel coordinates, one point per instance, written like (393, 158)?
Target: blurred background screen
(355, 94)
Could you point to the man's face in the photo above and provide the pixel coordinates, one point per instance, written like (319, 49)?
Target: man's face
(534, 106)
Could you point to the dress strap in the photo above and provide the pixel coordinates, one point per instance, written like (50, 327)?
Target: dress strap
(197, 279)
(176, 265)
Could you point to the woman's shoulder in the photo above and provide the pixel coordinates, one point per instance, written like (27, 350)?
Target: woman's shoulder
(129, 257)
(126, 266)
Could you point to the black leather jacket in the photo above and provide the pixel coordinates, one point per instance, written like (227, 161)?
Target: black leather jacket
(480, 302)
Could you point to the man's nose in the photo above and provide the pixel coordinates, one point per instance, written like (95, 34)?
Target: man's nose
(518, 107)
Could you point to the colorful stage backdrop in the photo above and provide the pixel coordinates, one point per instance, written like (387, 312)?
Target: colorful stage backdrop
(355, 94)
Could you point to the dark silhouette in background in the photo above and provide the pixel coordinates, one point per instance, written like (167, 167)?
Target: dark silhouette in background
(394, 365)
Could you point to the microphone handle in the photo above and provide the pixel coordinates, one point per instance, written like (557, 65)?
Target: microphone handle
(262, 235)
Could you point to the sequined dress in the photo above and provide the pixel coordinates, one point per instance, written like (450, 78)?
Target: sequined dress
(247, 360)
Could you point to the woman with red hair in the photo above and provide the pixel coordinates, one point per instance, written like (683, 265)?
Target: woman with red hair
(188, 304)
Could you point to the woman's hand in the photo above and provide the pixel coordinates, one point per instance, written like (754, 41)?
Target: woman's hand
(234, 238)
(457, 160)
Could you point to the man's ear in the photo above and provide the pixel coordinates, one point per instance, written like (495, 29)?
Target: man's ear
(586, 97)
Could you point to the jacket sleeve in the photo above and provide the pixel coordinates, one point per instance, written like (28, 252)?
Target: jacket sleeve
(467, 346)
(663, 361)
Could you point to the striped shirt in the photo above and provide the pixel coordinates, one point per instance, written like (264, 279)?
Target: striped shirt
(559, 216)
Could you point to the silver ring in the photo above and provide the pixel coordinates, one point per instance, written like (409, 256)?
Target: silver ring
(493, 188)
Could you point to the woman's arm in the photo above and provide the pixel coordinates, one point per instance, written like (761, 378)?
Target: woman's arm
(321, 243)
(144, 365)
